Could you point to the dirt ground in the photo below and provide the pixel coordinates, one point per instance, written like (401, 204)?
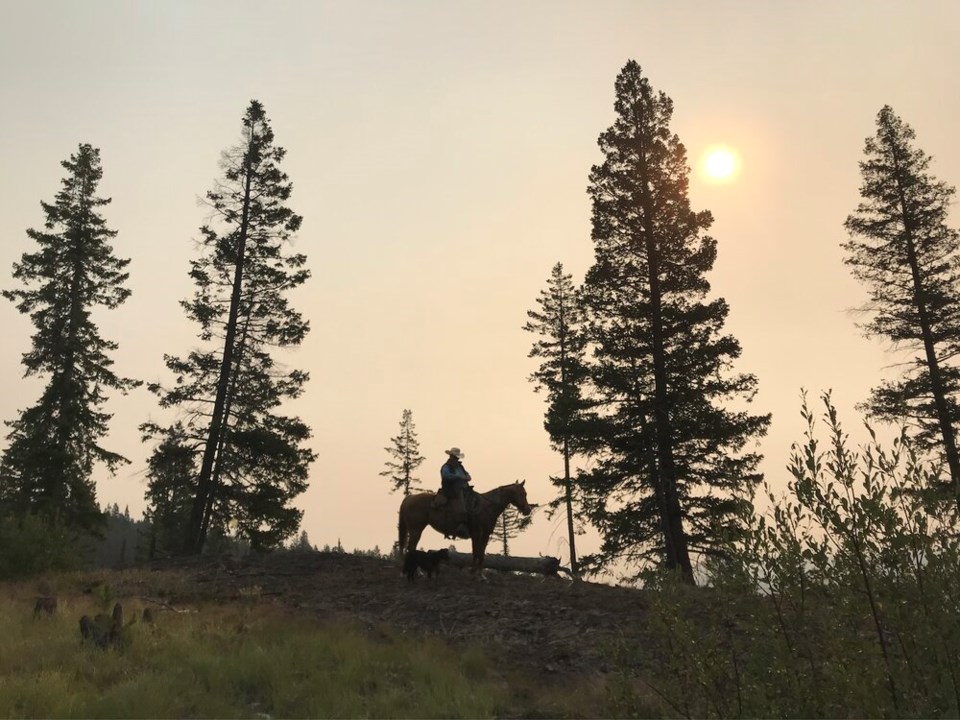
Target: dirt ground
(543, 626)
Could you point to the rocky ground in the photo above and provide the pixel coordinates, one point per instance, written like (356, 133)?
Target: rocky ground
(544, 626)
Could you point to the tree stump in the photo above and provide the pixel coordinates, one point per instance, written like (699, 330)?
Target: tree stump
(104, 631)
(47, 605)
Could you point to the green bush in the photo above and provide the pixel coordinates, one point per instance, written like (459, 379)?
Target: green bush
(862, 565)
(844, 600)
(31, 546)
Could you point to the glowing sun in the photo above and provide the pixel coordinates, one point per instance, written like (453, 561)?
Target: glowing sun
(720, 164)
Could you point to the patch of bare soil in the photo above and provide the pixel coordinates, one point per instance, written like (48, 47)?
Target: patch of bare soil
(542, 626)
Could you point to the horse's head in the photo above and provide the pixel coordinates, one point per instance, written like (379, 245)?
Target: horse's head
(517, 496)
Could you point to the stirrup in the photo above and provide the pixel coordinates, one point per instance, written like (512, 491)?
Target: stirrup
(459, 534)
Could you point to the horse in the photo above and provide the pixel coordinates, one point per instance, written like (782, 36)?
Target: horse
(417, 511)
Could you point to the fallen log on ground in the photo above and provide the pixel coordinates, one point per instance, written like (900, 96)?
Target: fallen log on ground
(544, 565)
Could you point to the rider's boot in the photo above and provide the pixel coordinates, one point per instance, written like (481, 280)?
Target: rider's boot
(463, 515)
(462, 531)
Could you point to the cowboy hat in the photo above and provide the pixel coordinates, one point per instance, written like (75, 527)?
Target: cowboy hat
(455, 451)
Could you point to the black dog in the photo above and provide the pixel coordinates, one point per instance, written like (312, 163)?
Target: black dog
(429, 561)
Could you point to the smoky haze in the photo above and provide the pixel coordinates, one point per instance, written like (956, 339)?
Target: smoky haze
(439, 155)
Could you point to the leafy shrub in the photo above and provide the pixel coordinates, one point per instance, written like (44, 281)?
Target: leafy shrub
(844, 599)
(862, 564)
(32, 546)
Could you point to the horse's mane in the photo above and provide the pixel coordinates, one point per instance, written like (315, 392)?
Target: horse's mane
(499, 488)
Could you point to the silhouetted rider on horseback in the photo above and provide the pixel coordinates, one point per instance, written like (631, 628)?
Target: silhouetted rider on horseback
(455, 484)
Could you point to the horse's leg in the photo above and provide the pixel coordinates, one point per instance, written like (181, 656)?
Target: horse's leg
(414, 537)
(484, 539)
(479, 543)
(402, 540)
(479, 550)
(474, 545)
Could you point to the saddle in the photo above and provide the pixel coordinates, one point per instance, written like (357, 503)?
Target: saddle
(452, 511)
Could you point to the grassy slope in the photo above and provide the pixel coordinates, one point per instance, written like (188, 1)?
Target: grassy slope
(251, 658)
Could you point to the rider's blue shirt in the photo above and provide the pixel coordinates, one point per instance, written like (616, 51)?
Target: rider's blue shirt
(453, 475)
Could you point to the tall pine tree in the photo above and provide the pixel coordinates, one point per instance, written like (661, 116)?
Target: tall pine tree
(54, 445)
(405, 456)
(673, 477)
(560, 324)
(169, 493)
(902, 248)
(250, 460)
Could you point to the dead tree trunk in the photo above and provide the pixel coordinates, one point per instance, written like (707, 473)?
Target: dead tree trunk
(543, 565)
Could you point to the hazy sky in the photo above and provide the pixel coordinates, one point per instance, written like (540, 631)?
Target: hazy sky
(439, 153)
